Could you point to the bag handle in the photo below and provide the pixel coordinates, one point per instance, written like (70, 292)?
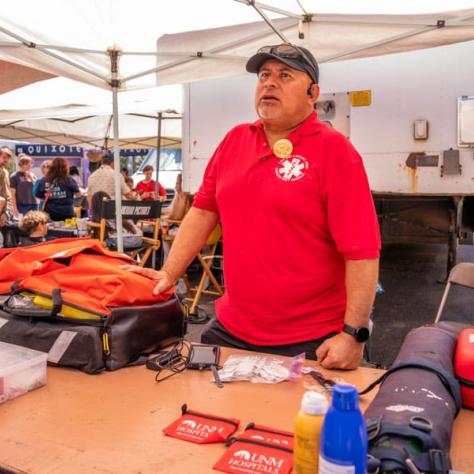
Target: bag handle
(449, 382)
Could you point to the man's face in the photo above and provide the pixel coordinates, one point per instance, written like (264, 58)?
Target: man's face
(4, 158)
(281, 97)
(148, 174)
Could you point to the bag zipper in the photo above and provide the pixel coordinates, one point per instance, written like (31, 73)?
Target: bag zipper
(253, 426)
(185, 411)
(101, 318)
(259, 443)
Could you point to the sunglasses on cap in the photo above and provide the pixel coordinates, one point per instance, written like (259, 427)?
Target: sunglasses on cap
(293, 56)
(286, 51)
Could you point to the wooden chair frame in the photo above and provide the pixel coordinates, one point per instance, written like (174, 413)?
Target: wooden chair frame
(149, 212)
(206, 264)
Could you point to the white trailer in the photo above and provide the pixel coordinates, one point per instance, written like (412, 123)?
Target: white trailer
(415, 136)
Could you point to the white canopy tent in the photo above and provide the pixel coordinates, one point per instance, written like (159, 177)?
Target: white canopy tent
(63, 111)
(75, 37)
(112, 43)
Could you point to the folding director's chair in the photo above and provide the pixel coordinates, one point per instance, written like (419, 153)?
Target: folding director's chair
(461, 274)
(146, 214)
(206, 260)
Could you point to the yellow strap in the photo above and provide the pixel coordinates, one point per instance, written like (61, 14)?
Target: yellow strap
(105, 342)
(66, 311)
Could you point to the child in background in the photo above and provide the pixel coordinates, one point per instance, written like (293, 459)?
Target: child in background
(34, 226)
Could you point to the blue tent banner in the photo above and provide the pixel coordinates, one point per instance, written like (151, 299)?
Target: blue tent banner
(49, 150)
(67, 151)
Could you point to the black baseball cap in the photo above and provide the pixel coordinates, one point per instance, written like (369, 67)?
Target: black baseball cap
(296, 57)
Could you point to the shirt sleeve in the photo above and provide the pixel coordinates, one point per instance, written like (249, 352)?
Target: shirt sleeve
(74, 186)
(205, 198)
(161, 190)
(13, 181)
(140, 189)
(350, 208)
(41, 190)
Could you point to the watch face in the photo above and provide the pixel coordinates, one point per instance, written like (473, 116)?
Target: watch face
(362, 334)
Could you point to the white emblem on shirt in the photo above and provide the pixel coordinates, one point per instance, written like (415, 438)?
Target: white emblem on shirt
(291, 169)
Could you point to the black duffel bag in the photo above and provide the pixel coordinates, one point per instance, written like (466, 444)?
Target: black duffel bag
(125, 337)
(409, 422)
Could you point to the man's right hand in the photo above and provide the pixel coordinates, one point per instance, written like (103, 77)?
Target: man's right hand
(163, 278)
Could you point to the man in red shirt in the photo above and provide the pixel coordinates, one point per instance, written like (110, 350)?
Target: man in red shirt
(301, 234)
(146, 188)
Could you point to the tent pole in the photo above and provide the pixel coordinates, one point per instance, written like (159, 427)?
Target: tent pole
(192, 56)
(114, 54)
(268, 22)
(158, 151)
(30, 44)
(118, 187)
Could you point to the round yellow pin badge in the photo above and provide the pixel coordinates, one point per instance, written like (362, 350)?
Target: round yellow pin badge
(283, 148)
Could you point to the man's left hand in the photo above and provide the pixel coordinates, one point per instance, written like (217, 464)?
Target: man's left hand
(340, 352)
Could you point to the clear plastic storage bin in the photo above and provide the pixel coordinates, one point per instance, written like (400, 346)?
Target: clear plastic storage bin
(21, 370)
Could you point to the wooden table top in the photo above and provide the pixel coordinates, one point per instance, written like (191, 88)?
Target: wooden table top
(113, 422)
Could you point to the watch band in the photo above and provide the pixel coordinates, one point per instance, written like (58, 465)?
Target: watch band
(360, 334)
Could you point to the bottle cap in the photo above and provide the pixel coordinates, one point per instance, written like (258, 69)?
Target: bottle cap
(345, 397)
(314, 403)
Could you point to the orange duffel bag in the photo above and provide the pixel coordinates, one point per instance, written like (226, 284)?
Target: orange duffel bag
(83, 285)
(19, 262)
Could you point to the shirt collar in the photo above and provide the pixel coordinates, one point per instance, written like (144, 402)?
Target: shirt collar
(310, 126)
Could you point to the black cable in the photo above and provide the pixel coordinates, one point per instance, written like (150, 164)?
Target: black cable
(176, 363)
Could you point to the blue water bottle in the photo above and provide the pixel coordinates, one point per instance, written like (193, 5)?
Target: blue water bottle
(343, 447)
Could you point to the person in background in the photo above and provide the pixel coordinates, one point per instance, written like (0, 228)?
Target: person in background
(34, 226)
(5, 192)
(180, 204)
(146, 188)
(129, 183)
(21, 185)
(44, 170)
(103, 179)
(301, 237)
(124, 172)
(80, 203)
(58, 191)
(75, 175)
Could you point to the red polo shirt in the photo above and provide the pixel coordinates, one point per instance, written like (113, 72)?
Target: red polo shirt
(288, 226)
(150, 187)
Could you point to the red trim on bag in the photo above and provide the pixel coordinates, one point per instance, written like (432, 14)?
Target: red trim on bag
(268, 435)
(191, 427)
(232, 421)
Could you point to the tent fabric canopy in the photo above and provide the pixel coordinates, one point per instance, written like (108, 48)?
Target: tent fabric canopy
(74, 41)
(224, 51)
(81, 115)
(14, 76)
